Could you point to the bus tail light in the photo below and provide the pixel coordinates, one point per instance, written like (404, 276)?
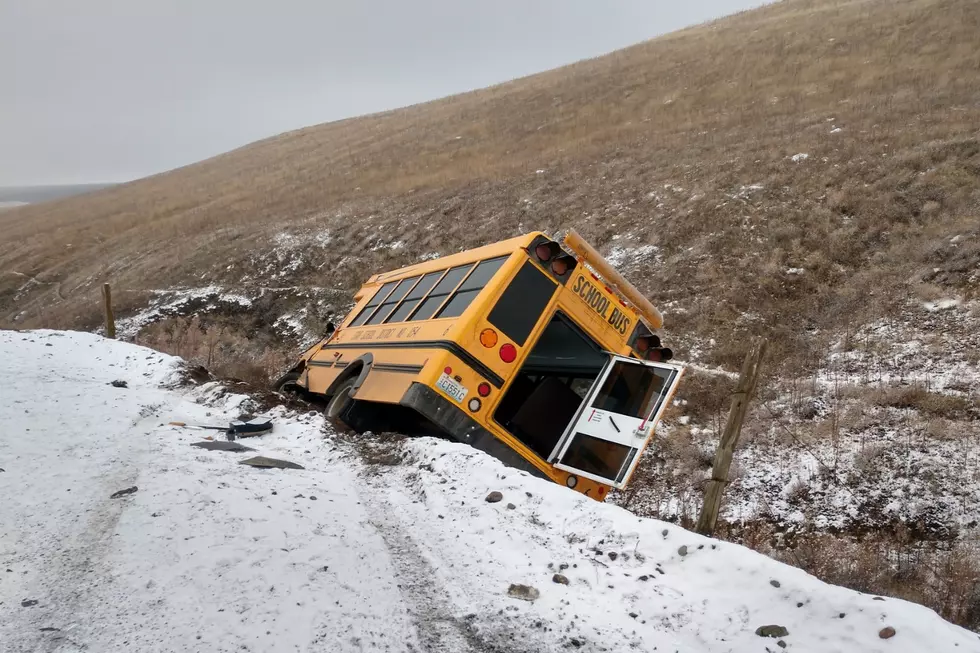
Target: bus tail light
(645, 343)
(508, 352)
(547, 251)
(483, 389)
(474, 404)
(563, 265)
(660, 354)
(571, 481)
(488, 338)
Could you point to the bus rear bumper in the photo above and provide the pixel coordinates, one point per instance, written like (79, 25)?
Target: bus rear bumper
(461, 427)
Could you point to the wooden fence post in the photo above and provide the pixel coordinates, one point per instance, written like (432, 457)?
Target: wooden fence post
(110, 320)
(747, 380)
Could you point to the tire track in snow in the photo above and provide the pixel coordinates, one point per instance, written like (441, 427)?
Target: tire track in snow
(438, 629)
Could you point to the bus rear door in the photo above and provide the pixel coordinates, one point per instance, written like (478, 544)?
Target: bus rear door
(603, 442)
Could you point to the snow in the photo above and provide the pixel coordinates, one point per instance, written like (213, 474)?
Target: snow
(174, 301)
(626, 257)
(942, 304)
(398, 552)
(797, 158)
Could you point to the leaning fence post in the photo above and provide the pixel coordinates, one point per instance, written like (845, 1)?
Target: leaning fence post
(747, 380)
(110, 320)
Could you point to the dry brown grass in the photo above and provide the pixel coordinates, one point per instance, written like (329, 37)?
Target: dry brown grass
(709, 109)
(941, 575)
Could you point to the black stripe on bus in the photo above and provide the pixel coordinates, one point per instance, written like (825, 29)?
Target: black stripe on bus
(397, 367)
(447, 345)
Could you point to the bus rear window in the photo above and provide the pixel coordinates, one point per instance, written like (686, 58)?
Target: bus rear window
(522, 303)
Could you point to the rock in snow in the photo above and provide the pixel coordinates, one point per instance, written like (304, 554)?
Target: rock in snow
(212, 556)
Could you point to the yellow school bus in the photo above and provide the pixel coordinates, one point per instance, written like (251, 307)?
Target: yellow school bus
(541, 355)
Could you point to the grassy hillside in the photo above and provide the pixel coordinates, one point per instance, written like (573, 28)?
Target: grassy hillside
(808, 172)
(685, 143)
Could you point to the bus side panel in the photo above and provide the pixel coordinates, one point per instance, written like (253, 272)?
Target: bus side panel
(385, 386)
(319, 379)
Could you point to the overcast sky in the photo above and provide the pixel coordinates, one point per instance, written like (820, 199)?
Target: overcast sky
(111, 90)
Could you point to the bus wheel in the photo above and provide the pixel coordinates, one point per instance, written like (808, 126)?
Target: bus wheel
(340, 399)
(286, 384)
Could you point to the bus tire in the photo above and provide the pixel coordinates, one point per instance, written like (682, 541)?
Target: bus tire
(287, 384)
(340, 400)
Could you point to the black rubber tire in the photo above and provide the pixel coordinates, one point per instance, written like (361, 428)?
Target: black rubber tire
(287, 383)
(340, 400)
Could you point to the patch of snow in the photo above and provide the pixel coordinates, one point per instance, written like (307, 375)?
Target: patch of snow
(172, 302)
(802, 156)
(208, 554)
(539, 172)
(835, 130)
(795, 270)
(625, 257)
(942, 304)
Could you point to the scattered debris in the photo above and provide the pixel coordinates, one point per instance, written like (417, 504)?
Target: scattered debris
(50, 629)
(781, 644)
(771, 631)
(613, 555)
(122, 493)
(523, 592)
(561, 579)
(26, 603)
(221, 445)
(774, 583)
(682, 551)
(494, 497)
(886, 633)
(262, 461)
(510, 506)
(252, 427)
(118, 383)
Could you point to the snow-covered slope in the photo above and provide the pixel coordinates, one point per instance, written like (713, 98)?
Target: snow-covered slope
(375, 545)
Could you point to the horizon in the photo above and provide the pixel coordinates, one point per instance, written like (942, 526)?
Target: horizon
(83, 114)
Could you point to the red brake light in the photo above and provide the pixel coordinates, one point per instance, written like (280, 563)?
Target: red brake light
(544, 251)
(660, 354)
(508, 352)
(448, 370)
(483, 389)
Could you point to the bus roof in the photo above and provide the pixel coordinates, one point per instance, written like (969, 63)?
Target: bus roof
(470, 255)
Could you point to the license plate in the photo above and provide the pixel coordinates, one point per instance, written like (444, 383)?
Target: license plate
(451, 388)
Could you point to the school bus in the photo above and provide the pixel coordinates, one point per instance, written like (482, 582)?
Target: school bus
(541, 355)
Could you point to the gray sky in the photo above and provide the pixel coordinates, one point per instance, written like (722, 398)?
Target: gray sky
(111, 90)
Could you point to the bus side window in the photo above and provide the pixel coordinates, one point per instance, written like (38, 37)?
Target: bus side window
(368, 310)
(389, 303)
(415, 296)
(438, 295)
(469, 289)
